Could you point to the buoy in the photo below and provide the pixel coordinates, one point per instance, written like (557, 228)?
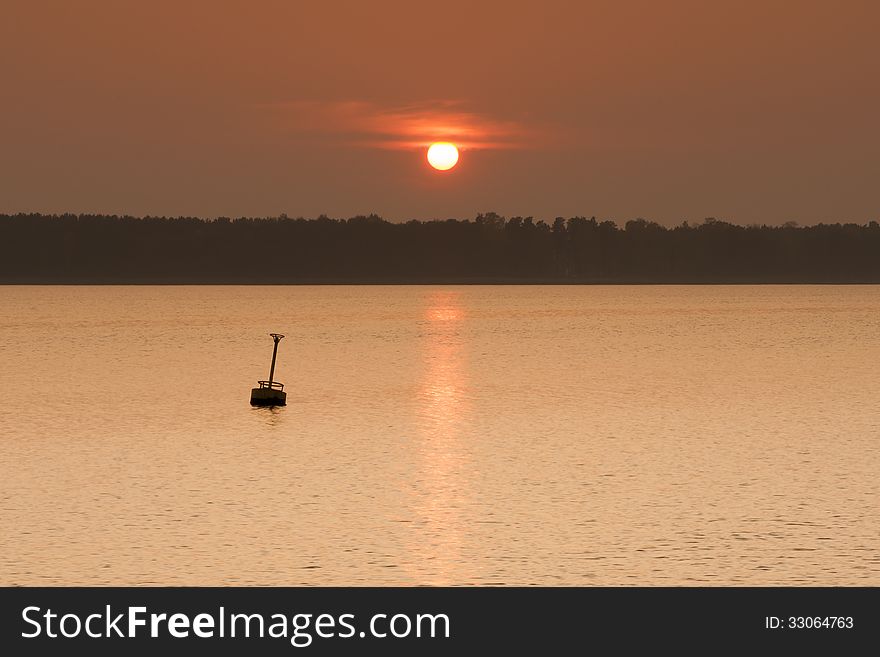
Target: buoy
(270, 393)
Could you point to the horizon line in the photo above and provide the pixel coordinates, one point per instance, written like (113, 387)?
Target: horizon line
(490, 215)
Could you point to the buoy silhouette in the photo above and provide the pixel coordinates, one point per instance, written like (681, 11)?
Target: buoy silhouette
(270, 393)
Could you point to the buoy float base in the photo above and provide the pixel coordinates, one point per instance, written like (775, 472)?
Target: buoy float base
(268, 397)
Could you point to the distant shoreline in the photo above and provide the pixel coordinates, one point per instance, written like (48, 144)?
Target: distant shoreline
(451, 282)
(488, 250)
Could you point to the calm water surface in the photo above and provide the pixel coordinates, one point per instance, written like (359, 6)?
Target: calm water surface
(441, 435)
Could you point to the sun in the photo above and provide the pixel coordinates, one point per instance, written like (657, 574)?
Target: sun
(442, 155)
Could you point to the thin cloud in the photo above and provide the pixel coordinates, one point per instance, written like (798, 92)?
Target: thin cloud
(412, 126)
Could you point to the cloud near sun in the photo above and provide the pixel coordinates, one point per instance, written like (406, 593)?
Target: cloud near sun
(369, 125)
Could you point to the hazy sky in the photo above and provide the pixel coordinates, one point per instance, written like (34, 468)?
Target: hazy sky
(750, 111)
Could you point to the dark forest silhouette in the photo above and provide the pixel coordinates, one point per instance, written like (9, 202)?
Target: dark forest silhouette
(489, 249)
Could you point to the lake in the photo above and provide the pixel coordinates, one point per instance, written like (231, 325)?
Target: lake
(489, 435)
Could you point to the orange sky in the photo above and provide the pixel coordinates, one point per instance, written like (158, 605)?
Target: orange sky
(751, 111)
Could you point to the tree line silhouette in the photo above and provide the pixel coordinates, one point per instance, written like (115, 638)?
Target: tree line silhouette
(69, 248)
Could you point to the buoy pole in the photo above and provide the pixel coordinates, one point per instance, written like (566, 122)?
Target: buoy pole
(277, 337)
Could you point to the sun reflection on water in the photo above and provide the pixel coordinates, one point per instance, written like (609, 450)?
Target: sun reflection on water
(441, 492)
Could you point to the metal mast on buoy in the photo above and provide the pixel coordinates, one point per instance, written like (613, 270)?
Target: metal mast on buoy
(270, 393)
